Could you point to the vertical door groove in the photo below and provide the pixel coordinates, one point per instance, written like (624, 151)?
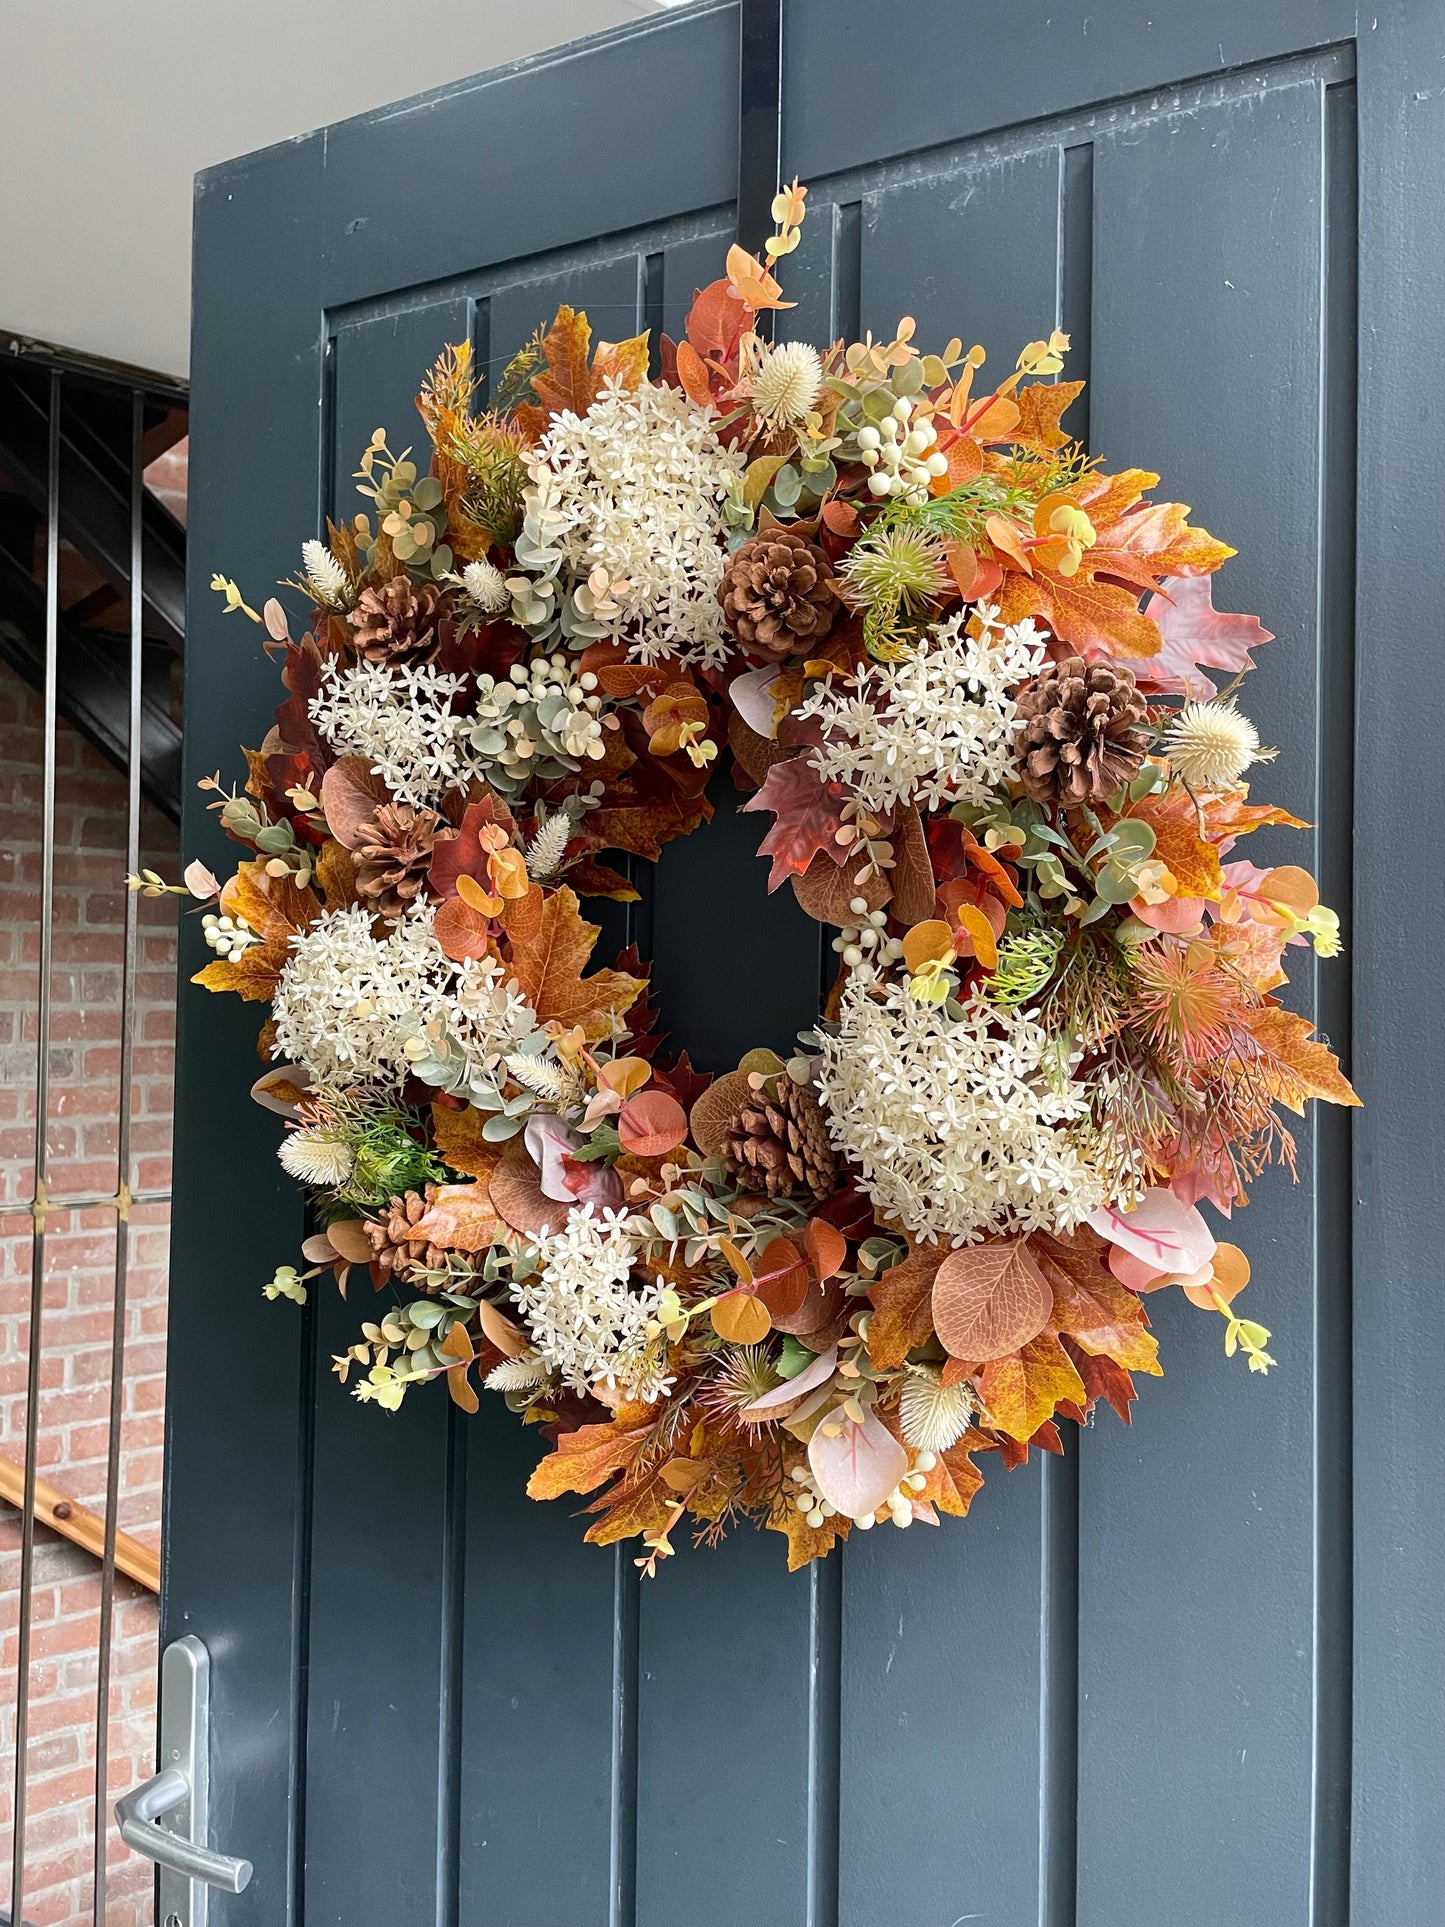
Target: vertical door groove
(1333, 1128)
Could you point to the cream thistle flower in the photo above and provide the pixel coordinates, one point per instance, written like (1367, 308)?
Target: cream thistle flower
(960, 1128)
(636, 487)
(316, 1156)
(327, 578)
(586, 1320)
(401, 720)
(936, 728)
(487, 587)
(933, 1416)
(788, 383)
(348, 1004)
(1211, 745)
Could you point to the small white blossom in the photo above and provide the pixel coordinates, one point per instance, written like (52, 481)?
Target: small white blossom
(635, 488)
(935, 728)
(586, 1319)
(400, 719)
(961, 1128)
(350, 1005)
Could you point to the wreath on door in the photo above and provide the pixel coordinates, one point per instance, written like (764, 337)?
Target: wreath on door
(968, 676)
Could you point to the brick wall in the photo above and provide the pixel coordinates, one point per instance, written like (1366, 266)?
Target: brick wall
(79, 1287)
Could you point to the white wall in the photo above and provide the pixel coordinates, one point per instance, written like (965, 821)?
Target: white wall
(109, 107)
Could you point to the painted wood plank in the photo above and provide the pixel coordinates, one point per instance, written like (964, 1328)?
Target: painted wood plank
(1196, 1550)
(238, 1391)
(1399, 1200)
(381, 1602)
(945, 1633)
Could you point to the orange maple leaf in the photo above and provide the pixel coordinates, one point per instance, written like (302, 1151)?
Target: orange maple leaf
(1297, 1065)
(276, 910)
(1021, 1391)
(1040, 406)
(902, 1299)
(567, 381)
(587, 1458)
(1193, 862)
(547, 968)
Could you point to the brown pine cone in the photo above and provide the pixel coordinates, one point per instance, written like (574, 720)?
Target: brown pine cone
(394, 1240)
(393, 854)
(397, 623)
(779, 1144)
(779, 594)
(1078, 735)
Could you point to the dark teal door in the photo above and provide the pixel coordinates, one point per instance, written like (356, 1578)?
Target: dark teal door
(1191, 1675)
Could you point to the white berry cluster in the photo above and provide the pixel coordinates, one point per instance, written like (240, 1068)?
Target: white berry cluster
(228, 936)
(904, 458)
(865, 941)
(898, 1506)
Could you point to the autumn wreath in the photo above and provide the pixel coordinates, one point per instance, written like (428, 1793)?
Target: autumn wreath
(965, 671)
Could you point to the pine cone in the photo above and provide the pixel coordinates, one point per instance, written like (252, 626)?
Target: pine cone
(398, 623)
(1078, 734)
(394, 1239)
(779, 1145)
(393, 854)
(779, 594)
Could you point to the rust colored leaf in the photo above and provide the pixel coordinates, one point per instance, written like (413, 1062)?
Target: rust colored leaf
(584, 1459)
(808, 813)
(826, 1247)
(781, 1277)
(462, 932)
(989, 1299)
(1023, 1390)
(692, 374)
(955, 1479)
(351, 794)
(902, 1300)
(517, 1195)
(629, 1510)
(827, 892)
(566, 381)
(547, 969)
(336, 875)
(522, 916)
(457, 1345)
(717, 320)
(1102, 1379)
(1090, 1305)
(591, 879)
(643, 828)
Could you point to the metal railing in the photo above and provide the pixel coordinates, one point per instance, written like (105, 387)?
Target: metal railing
(143, 392)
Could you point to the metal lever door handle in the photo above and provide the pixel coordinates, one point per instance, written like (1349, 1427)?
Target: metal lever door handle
(136, 1814)
(179, 1795)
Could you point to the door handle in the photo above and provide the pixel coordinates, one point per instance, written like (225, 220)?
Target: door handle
(168, 1793)
(166, 1818)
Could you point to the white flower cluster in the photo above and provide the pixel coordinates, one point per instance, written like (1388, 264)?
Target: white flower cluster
(960, 1128)
(586, 1321)
(401, 719)
(348, 1004)
(935, 728)
(634, 490)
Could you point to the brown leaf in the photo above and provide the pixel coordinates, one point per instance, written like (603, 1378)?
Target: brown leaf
(517, 1194)
(587, 1458)
(460, 1143)
(912, 877)
(1090, 1305)
(1021, 1391)
(590, 879)
(826, 891)
(351, 794)
(902, 1299)
(462, 1217)
(715, 1109)
(547, 969)
(781, 1277)
(336, 875)
(990, 1299)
